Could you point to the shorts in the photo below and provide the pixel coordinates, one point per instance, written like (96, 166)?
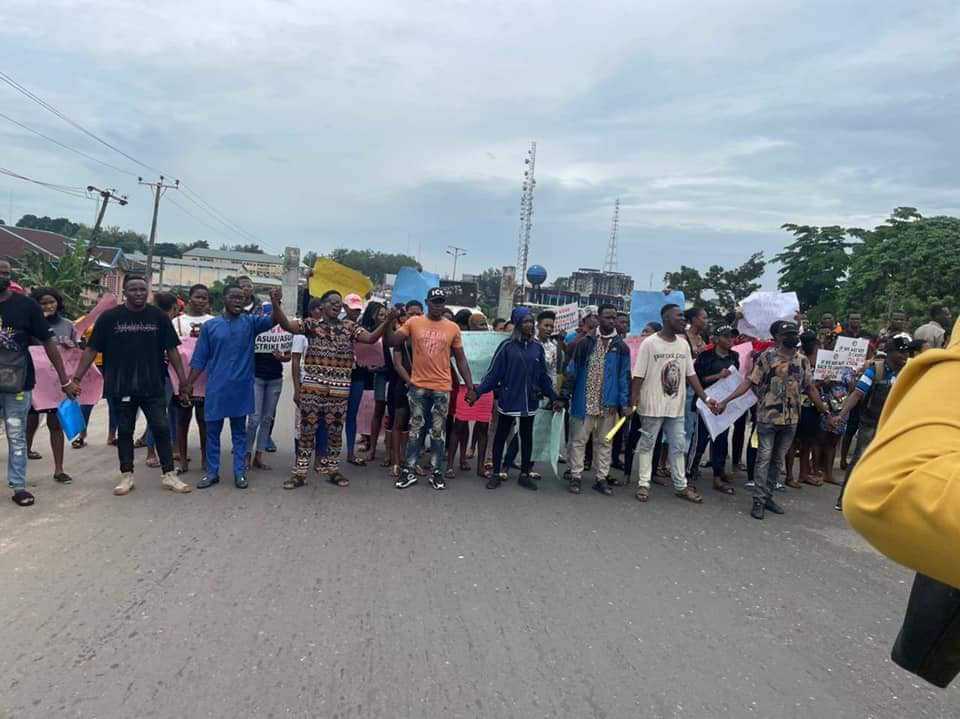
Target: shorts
(809, 423)
(380, 387)
(397, 398)
(482, 410)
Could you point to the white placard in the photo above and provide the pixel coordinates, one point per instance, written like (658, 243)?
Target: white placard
(852, 351)
(273, 340)
(828, 366)
(568, 317)
(762, 309)
(717, 424)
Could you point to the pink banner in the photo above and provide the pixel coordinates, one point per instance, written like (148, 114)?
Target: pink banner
(369, 356)
(365, 412)
(107, 302)
(634, 344)
(47, 393)
(187, 345)
(745, 350)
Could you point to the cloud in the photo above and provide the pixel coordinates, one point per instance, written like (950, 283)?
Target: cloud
(403, 125)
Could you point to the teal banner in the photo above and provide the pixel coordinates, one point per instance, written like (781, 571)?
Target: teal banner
(479, 348)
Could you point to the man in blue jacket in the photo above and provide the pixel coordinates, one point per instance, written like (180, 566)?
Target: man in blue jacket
(599, 373)
(519, 373)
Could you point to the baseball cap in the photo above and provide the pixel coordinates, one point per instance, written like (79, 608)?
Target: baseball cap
(353, 301)
(898, 344)
(436, 294)
(786, 328)
(724, 331)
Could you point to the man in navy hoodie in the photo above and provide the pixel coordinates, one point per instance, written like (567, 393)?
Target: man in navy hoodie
(519, 374)
(599, 373)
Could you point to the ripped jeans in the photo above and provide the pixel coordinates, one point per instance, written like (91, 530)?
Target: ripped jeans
(14, 408)
(437, 404)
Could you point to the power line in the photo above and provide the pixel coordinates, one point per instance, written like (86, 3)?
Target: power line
(187, 212)
(71, 190)
(193, 197)
(66, 147)
(47, 106)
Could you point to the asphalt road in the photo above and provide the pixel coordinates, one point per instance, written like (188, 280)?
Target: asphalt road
(373, 602)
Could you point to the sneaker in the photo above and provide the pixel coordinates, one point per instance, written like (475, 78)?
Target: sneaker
(602, 487)
(838, 506)
(170, 481)
(757, 511)
(750, 484)
(124, 485)
(779, 487)
(772, 506)
(436, 481)
(405, 479)
(527, 482)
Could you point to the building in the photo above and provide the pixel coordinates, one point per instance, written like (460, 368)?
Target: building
(588, 281)
(243, 263)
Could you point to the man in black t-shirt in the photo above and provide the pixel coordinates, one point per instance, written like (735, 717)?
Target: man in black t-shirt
(713, 365)
(134, 338)
(20, 320)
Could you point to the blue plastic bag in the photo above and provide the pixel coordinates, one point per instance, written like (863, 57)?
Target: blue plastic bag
(71, 418)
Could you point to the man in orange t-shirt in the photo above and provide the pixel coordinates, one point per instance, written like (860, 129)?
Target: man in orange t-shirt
(433, 339)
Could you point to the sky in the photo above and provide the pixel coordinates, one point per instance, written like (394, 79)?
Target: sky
(402, 125)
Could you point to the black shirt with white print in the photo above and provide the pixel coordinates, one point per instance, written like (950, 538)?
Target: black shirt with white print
(20, 320)
(134, 346)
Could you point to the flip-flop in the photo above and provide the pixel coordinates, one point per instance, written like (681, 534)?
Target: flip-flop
(450, 473)
(63, 478)
(34, 455)
(642, 495)
(723, 488)
(152, 463)
(338, 479)
(358, 461)
(23, 498)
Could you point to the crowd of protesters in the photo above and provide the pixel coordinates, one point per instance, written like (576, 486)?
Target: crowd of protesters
(425, 399)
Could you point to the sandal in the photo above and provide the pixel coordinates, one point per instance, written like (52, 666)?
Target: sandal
(78, 443)
(260, 465)
(357, 461)
(140, 443)
(642, 495)
(386, 462)
(534, 475)
(63, 478)
(112, 442)
(720, 486)
(450, 473)
(421, 471)
(34, 455)
(293, 482)
(395, 471)
(152, 462)
(690, 495)
(338, 479)
(813, 481)
(23, 498)
(464, 466)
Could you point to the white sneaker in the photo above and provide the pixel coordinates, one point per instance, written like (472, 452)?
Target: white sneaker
(124, 485)
(173, 483)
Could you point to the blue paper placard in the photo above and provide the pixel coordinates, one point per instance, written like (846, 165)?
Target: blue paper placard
(413, 285)
(645, 307)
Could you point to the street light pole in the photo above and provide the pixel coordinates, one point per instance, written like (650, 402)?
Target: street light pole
(456, 253)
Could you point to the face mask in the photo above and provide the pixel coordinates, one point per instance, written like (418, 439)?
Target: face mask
(791, 342)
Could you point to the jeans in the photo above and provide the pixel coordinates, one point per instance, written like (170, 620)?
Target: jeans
(865, 435)
(595, 426)
(353, 408)
(266, 393)
(718, 453)
(155, 410)
(436, 404)
(691, 426)
(14, 408)
(673, 432)
(525, 434)
(238, 435)
(739, 434)
(774, 443)
(172, 404)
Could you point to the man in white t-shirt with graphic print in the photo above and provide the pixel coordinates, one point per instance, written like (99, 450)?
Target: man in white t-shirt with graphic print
(661, 373)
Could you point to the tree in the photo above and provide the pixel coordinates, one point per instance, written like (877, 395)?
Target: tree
(727, 287)
(167, 249)
(60, 225)
(372, 263)
(127, 240)
(488, 290)
(814, 265)
(72, 274)
(216, 293)
(250, 247)
(907, 263)
(310, 259)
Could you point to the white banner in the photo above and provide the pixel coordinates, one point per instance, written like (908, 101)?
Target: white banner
(848, 352)
(568, 317)
(762, 309)
(274, 340)
(717, 424)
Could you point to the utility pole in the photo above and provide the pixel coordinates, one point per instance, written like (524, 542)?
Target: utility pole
(456, 253)
(107, 195)
(158, 188)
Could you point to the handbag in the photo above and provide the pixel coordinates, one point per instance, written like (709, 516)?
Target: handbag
(13, 371)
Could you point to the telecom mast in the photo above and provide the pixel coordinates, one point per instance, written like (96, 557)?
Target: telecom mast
(526, 216)
(611, 263)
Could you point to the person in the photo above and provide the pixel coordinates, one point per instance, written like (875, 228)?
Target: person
(134, 337)
(599, 374)
(870, 395)
(853, 327)
(778, 378)
(651, 328)
(933, 334)
(805, 440)
(251, 304)
(188, 324)
(51, 304)
(663, 369)
(267, 387)
(826, 332)
(712, 365)
(507, 327)
(448, 315)
(402, 358)
(224, 351)
(498, 324)
(167, 302)
(623, 324)
(896, 327)
(367, 367)
(831, 426)
(464, 413)
(481, 430)
(298, 351)
(462, 318)
(353, 306)
(518, 370)
(696, 321)
(433, 339)
(325, 386)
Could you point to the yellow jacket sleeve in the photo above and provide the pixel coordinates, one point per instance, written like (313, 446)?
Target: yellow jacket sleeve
(904, 494)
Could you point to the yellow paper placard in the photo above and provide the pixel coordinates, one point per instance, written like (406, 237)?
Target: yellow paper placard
(330, 275)
(616, 428)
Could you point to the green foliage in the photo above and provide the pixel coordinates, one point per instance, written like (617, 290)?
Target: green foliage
(216, 293)
(250, 247)
(72, 274)
(814, 266)
(60, 225)
(309, 259)
(727, 287)
(375, 265)
(488, 285)
(907, 263)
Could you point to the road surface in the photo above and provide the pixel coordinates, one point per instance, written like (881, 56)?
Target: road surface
(373, 602)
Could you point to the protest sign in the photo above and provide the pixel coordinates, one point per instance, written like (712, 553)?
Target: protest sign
(633, 342)
(745, 353)
(369, 356)
(829, 364)
(107, 302)
(187, 345)
(852, 351)
(548, 437)
(645, 307)
(479, 348)
(762, 309)
(365, 412)
(717, 424)
(412, 285)
(273, 340)
(47, 393)
(330, 275)
(568, 317)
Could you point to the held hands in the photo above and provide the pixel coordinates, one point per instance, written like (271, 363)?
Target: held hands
(717, 407)
(71, 389)
(558, 405)
(186, 392)
(471, 397)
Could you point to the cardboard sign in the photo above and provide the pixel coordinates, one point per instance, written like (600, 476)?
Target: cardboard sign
(548, 438)
(717, 424)
(107, 302)
(645, 306)
(47, 393)
(479, 348)
(853, 351)
(187, 345)
(273, 340)
(829, 364)
(568, 317)
(762, 309)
